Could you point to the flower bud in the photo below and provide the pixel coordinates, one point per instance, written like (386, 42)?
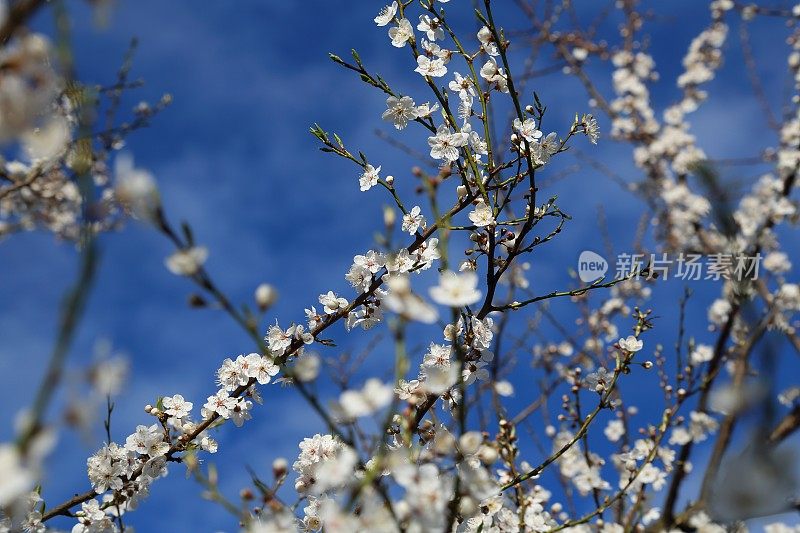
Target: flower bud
(487, 454)
(312, 523)
(265, 295)
(279, 467)
(306, 368)
(443, 442)
(467, 506)
(389, 216)
(136, 189)
(196, 301)
(470, 442)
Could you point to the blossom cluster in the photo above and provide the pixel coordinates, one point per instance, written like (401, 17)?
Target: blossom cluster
(437, 445)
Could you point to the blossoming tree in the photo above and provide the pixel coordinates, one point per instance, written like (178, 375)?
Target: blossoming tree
(438, 445)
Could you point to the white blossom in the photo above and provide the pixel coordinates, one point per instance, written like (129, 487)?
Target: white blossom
(406, 390)
(265, 296)
(546, 148)
(261, 368)
(107, 467)
(504, 388)
(487, 41)
(400, 111)
(369, 178)
(700, 426)
(135, 188)
(614, 430)
(240, 412)
(386, 14)
(590, 127)
(433, 68)
(314, 450)
(187, 262)
(16, 478)
(495, 75)
(231, 374)
(482, 215)
(464, 86)
(413, 220)
(527, 129)
(306, 368)
(431, 26)
(438, 355)
(221, 403)
(425, 110)
(445, 144)
(374, 396)
(599, 380)
(402, 301)
(177, 408)
(332, 303)
(702, 353)
(456, 289)
(402, 33)
(631, 344)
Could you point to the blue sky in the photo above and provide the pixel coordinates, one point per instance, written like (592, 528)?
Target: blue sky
(233, 156)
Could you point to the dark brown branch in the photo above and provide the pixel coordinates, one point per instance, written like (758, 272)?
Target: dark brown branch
(17, 16)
